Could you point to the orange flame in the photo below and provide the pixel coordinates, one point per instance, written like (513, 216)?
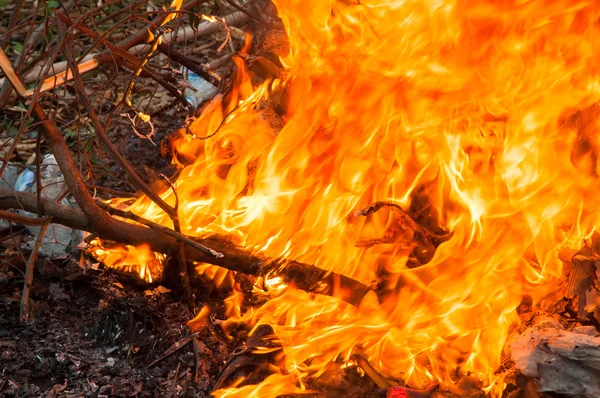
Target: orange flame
(485, 108)
(141, 260)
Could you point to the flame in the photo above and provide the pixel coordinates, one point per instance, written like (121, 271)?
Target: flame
(140, 259)
(479, 114)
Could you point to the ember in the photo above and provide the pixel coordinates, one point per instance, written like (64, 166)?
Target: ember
(441, 152)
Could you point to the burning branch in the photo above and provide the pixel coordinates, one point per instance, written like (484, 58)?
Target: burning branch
(94, 219)
(234, 258)
(158, 227)
(421, 237)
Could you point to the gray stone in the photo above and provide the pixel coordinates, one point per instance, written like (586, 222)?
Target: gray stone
(565, 361)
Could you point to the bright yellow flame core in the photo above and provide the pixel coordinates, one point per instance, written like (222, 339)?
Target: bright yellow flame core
(473, 101)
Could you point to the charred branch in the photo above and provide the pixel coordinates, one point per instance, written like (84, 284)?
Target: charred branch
(192, 65)
(404, 228)
(305, 277)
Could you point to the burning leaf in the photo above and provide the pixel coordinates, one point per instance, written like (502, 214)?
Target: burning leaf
(144, 117)
(581, 280)
(162, 290)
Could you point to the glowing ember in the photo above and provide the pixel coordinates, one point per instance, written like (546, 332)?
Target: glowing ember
(480, 114)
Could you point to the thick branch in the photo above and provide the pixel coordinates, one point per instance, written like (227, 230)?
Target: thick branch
(303, 276)
(64, 215)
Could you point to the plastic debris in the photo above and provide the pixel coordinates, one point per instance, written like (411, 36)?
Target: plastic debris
(8, 181)
(405, 392)
(200, 89)
(25, 182)
(58, 239)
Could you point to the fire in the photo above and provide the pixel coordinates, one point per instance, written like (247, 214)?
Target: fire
(140, 259)
(480, 116)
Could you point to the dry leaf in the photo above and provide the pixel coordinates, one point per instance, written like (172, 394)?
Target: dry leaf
(581, 280)
(163, 290)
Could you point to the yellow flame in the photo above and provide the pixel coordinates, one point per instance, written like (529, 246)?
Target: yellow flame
(479, 117)
(141, 260)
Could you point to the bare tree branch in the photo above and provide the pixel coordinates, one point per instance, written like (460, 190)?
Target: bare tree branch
(136, 43)
(20, 219)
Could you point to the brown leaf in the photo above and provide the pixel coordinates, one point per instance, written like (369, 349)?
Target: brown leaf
(57, 292)
(580, 281)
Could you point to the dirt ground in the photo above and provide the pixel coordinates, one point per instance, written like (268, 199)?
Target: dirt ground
(94, 335)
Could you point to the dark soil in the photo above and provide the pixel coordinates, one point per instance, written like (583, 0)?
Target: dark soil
(94, 335)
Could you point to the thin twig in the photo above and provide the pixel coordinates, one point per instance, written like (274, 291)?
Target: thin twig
(181, 259)
(141, 184)
(135, 47)
(173, 349)
(32, 38)
(20, 219)
(14, 17)
(130, 8)
(143, 35)
(180, 237)
(138, 70)
(256, 18)
(175, 379)
(13, 79)
(38, 168)
(111, 191)
(129, 61)
(25, 302)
